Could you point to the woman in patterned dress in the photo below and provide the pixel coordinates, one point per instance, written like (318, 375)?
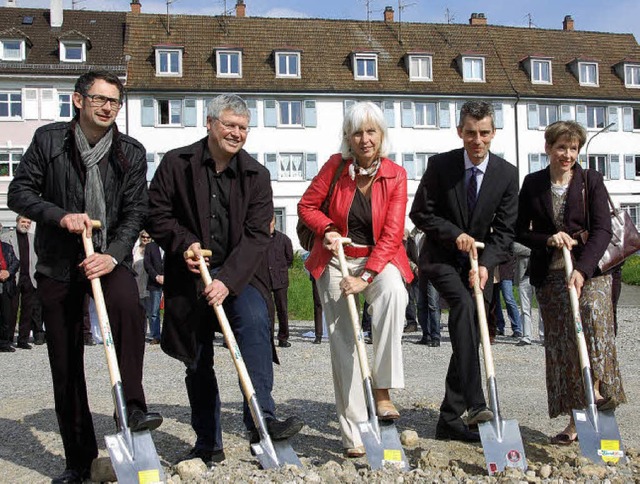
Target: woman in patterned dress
(558, 204)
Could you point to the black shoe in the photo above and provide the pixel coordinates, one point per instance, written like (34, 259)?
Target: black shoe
(318, 340)
(209, 457)
(434, 343)
(139, 420)
(517, 334)
(500, 332)
(283, 343)
(23, 346)
(479, 415)
(88, 340)
(38, 339)
(278, 429)
(444, 431)
(410, 328)
(75, 476)
(7, 348)
(423, 341)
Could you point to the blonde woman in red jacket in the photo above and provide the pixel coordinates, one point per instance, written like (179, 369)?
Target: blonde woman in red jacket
(367, 205)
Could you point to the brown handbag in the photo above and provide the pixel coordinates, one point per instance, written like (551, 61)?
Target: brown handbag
(306, 236)
(625, 239)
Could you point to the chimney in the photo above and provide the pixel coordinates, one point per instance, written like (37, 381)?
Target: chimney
(478, 19)
(241, 9)
(388, 14)
(56, 13)
(136, 7)
(567, 23)
(12, 3)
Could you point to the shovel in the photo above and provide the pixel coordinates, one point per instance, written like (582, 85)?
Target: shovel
(270, 453)
(133, 454)
(501, 439)
(597, 430)
(380, 439)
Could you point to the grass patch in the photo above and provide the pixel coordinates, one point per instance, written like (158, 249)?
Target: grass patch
(631, 271)
(300, 292)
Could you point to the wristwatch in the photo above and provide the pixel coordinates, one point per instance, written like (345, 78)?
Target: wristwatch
(367, 277)
(115, 261)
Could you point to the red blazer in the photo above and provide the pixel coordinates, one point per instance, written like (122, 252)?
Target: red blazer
(388, 207)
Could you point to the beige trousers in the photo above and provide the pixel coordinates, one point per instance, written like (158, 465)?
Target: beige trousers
(387, 298)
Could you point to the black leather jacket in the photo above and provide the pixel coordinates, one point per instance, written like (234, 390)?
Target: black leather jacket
(49, 184)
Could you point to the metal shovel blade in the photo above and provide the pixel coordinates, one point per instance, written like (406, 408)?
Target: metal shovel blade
(282, 454)
(502, 448)
(137, 465)
(385, 449)
(599, 442)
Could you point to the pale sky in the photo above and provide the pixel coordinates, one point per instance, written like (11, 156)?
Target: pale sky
(621, 16)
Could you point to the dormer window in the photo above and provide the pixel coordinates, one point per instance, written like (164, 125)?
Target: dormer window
(472, 68)
(588, 73)
(365, 66)
(632, 75)
(420, 67)
(287, 64)
(229, 63)
(168, 61)
(541, 71)
(73, 51)
(12, 50)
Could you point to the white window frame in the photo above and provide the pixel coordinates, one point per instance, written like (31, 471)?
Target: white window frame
(21, 50)
(473, 76)
(600, 161)
(633, 209)
(583, 77)
(421, 162)
(13, 163)
(219, 64)
(280, 214)
(167, 51)
(423, 106)
(288, 175)
(537, 71)
(65, 46)
(591, 110)
(365, 59)
(287, 56)
(62, 102)
(546, 109)
(9, 102)
(280, 105)
(418, 71)
(171, 103)
(632, 76)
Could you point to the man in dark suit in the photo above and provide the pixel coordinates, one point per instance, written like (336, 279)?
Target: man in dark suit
(9, 266)
(280, 259)
(466, 195)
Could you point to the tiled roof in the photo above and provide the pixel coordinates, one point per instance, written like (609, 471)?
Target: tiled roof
(103, 31)
(327, 46)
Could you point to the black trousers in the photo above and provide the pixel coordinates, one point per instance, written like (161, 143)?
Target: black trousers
(62, 308)
(463, 386)
(317, 309)
(281, 309)
(30, 314)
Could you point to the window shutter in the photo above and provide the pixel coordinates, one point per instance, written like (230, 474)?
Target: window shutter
(151, 165)
(407, 114)
(30, 100)
(582, 160)
(565, 113)
(190, 113)
(347, 104)
(49, 104)
(409, 164)
(629, 167)
(389, 114)
(532, 116)
(534, 162)
(613, 118)
(627, 119)
(311, 168)
(270, 114)
(310, 118)
(148, 117)
(445, 114)
(252, 104)
(499, 116)
(614, 167)
(458, 109)
(271, 163)
(392, 157)
(581, 114)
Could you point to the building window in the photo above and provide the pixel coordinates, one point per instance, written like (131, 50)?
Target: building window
(291, 166)
(588, 73)
(72, 51)
(541, 115)
(537, 162)
(540, 71)
(634, 212)
(65, 106)
(169, 112)
(366, 67)
(596, 117)
(290, 113)
(9, 160)
(168, 62)
(12, 50)
(599, 163)
(229, 63)
(426, 115)
(473, 69)
(288, 64)
(420, 68)
(637, 164)
(632, 75)
(10, 105)
(280, 214)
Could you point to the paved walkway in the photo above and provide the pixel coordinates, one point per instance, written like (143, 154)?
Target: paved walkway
(630, 296)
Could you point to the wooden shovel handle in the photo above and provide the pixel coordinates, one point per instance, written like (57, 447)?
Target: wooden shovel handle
(482, 317)
(189, 254)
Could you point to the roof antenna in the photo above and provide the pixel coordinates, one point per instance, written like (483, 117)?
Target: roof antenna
(401, 7)
(449, 17)
(74, 4)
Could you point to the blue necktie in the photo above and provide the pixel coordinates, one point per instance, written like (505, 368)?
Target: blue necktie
(472, 190)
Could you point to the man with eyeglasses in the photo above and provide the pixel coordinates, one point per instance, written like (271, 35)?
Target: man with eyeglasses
(214, 195)
(72, 173)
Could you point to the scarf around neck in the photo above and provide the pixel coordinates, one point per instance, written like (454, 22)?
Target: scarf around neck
(355, 169)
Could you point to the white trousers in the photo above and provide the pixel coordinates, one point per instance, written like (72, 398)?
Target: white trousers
(387, 298)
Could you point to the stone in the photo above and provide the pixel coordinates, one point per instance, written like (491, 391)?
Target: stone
(433, 459)
(191, 469)
(594, 471)
(102, 470)
(545, 471)
(409, 438)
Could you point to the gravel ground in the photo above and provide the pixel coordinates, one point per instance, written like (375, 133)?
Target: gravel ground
(31, 450)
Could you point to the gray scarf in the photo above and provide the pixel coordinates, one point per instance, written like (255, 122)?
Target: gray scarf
(94, 201)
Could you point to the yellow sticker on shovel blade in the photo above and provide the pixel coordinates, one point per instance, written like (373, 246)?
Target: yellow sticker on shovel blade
(610, 451)
(392, 455)
(150, 476)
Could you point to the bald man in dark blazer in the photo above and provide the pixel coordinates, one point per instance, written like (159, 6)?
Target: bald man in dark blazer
(466, 195)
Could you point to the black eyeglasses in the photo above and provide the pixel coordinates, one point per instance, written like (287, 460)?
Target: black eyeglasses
(98, 101)
(145, 237)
